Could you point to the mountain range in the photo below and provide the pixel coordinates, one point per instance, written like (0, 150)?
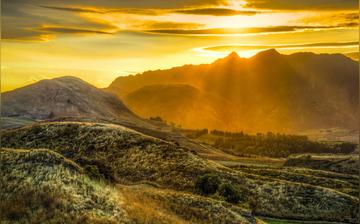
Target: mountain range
(268, 91)
(74, 153)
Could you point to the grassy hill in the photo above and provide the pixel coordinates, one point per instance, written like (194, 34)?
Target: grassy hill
(119, 155)
(41, 186)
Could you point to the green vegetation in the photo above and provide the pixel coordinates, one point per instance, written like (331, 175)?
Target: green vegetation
(210, 184)
(274, 145)
(229, 192)
(341, 164)
(207, 184)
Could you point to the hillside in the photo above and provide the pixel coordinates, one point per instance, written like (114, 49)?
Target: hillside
(184, 103)
(41, 186)
(268, 91)
(62, 97)
(119, 155)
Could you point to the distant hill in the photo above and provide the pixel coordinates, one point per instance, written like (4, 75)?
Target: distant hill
(61, 97)
(268, 91)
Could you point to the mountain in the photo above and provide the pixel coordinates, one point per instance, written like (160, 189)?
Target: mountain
(62, 97)
(267, 92)
(183, 101)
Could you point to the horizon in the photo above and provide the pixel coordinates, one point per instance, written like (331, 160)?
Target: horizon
(165, 68)
(99, 41)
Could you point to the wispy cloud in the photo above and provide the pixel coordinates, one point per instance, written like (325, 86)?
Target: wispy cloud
(167, 25)
(250, 30)
(303, 4)
(135, 11)
(70, 30)
(213, 11)
(216, 12)
(255, 47)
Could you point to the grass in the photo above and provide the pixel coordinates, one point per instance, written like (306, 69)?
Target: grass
(347, 164)
(123, 156)
(154, 205)
(343, 183)
(279, 221)
(40, 186)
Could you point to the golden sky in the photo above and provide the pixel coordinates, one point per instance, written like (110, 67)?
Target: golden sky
(100, 40)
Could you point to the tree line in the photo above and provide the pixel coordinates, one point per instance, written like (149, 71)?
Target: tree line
(272, 144)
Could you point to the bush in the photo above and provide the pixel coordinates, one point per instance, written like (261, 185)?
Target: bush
(93, 171)
(208, 184)
(229, 192)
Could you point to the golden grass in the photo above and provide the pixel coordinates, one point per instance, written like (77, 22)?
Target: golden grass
(144, 209)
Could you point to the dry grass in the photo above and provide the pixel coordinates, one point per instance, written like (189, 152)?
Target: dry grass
(40, 186)
(144, 209)
(125, 156)
(150, 204)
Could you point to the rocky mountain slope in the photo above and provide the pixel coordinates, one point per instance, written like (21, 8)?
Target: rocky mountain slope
(269, 91)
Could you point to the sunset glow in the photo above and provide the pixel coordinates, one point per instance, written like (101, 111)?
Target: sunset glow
(100, 41)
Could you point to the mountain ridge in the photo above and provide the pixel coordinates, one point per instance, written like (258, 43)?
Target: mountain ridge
(276, 88)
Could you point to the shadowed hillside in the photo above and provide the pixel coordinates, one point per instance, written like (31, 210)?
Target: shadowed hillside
(189, 106)
(269, 91)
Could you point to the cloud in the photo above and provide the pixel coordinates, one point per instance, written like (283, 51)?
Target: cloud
(74, 9)
(215, 12)
(70, 30)
(167, 25)
(135, 11)
(141, 4)
(221, 48)
(250, 30)
(340, 19)
(303, 4)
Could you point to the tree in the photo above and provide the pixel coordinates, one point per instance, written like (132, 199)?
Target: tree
(51, 115)
(229, 192)
(207, 184)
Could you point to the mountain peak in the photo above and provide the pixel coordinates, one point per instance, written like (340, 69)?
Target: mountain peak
(233, 55)
(268, 53)
(68, 79)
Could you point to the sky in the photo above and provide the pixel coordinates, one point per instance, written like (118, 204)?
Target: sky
(99, 40)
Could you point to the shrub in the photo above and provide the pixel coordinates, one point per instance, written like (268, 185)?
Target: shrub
(93, 171)
(207, 184)
(229, 192)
